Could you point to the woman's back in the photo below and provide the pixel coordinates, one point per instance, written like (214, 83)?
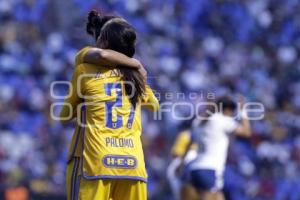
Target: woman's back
(112, 145)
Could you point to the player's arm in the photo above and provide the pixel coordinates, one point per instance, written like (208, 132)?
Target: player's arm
(244, 128)
(183, 156)
(68, 111)
(107, 57)
(181, 143)
(110, 58)
(193, 137)
(149, 100)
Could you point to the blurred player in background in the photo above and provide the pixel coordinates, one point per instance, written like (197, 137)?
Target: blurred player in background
(178, 149)
(110, 164)
(212, 137)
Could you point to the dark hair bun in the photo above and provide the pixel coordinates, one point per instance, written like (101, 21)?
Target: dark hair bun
(94, 21)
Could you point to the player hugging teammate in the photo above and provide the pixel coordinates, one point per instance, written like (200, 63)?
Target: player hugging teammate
(106, 160)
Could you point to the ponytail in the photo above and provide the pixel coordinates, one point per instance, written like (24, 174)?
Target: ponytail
(95, 22)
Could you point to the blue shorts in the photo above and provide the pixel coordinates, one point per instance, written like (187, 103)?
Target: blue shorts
(207, 180)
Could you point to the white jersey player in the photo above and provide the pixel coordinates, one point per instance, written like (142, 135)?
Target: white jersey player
(212, 136)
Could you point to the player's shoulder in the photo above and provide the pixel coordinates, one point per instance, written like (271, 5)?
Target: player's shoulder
(81, 53)
(221, 119)
(225, 123)
(89, 68)
(83, 50)
(99, 71)
(219, 116)
(183, 135)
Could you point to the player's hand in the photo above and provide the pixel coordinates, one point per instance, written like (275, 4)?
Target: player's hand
(242, 100)
(141, 69)
(143, 72)
(243, 112)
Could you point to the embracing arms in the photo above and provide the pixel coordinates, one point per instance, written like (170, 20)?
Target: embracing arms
(110, 58)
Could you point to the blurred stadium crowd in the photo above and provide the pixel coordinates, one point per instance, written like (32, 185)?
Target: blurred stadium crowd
(221, 46)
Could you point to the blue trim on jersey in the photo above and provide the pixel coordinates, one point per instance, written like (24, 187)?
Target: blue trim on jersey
(77, 181)
(79, 132)
(82, 144)
(75, 146)
(131, 116)
(109, 105)
(74, 179)
(137, 178)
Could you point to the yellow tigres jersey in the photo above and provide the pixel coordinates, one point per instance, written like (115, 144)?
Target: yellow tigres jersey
(75, 147)
(108, 139)
(80, 55)
(181, 142)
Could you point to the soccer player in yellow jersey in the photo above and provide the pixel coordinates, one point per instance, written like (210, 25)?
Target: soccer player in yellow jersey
(180, 189)
(107, 162)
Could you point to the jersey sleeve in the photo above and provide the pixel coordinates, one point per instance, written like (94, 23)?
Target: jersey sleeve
(69, 108)
(80, 55)
(149, 100)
